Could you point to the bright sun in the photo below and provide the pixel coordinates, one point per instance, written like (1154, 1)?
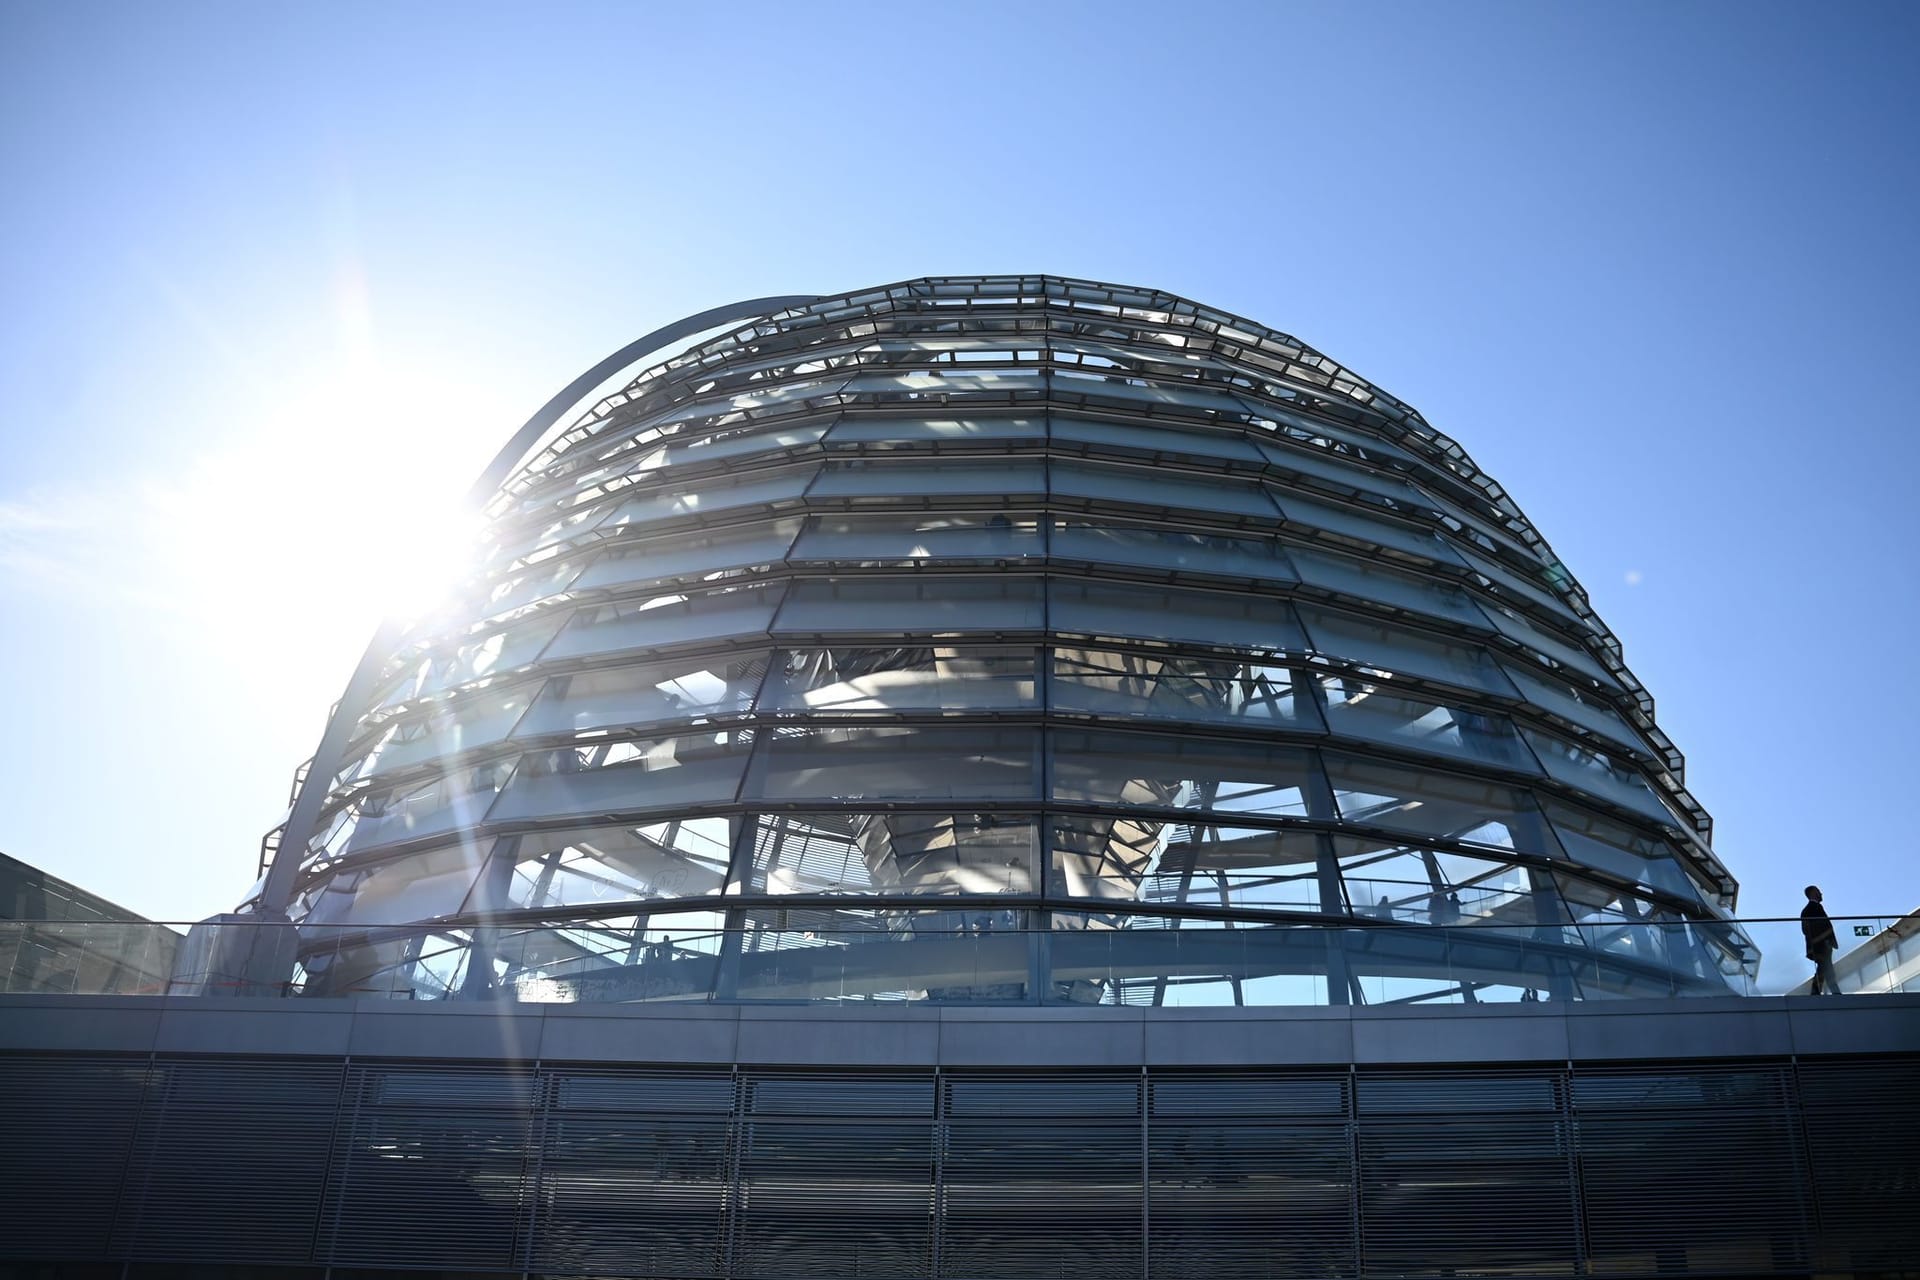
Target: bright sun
(343, 505)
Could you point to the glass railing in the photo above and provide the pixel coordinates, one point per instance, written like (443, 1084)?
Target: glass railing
(89, 958)
(957, 957)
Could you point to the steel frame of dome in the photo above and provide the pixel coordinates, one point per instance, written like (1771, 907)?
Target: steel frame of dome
(1003, 639)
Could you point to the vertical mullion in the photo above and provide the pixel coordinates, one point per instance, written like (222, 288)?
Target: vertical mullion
(1144, 1103)
(533, 1161)
(1576, 1182)
(732, 1196)
(937, 1217)
(357, 1082)
(1356, 1173)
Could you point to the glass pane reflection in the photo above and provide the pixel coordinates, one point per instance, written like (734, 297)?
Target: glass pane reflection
(1158, 686)
(1153, 771)
(936, 853)
(929, 678)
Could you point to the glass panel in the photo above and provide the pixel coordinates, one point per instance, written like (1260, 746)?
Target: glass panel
(1153, 348)
(1362, 526)
(1625, 929)
(938, 605)
(689, 553)
(1072, 385)
(1382, 713)
(939, 957)
(1483, 524)
(479, 720)
(384, 817)
(1127, 437)
(734, 368)
(1184, 864)
(1148, 960)
(1593, 772)
(608, 778)
(771, 396)
(1108, 858)
(1559, 652)
(1432, 804)
(1110, 682)
(924, 678)
(1511, 580)
(508, 540)
(419, 886)
(1508, 954)
(94, 957)
(1334, 469)
(736, 444)
(903, 537)
(569, 483)
(1332, 437)
(924, 431)
(539, 582)
(1159, 489)
(920, 478)
(1593, 840)
(995, 348)
(673, 618)
(931, 384)
(1229, 621)
(1368, 581)
(1569, 703)
(1408, 884)
(498, 652)
(937, 853)
(1170, 550)
(586, 866)
(653, 957)
(686, 690)
(896, 763)
(781, 487)
(1390, 647)
(1153, 771)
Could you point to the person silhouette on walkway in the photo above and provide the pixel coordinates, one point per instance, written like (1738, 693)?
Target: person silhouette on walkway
(1818, 928)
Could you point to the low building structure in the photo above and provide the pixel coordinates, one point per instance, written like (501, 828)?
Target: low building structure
(58, 938)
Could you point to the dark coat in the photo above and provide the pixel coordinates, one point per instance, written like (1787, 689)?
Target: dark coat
(1818, 930)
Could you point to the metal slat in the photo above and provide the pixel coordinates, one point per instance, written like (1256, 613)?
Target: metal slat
(1058, 1200)
(431, 1172)
(67, 1127)
(835, 1197)
(974, 1097)
(840, 1094)
(229, 1160)
(1488, 1191)
(622, 1193)
(1042, 1175)
(1248, 1199)
(1690, 1170)
(1453, 1093)
(635, 1171)
(1861, 1122)
(669, 1093)
(1249, 1094)
(199, 1164)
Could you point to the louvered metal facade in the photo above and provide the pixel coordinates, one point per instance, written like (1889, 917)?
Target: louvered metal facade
(1005, 640)
(1747, 1169)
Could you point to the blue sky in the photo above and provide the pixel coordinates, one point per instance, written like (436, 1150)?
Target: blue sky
(279, 278)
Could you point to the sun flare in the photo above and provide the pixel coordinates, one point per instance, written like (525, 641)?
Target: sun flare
(344, 506)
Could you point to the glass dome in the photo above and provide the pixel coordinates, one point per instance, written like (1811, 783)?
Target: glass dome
(1009, 640)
